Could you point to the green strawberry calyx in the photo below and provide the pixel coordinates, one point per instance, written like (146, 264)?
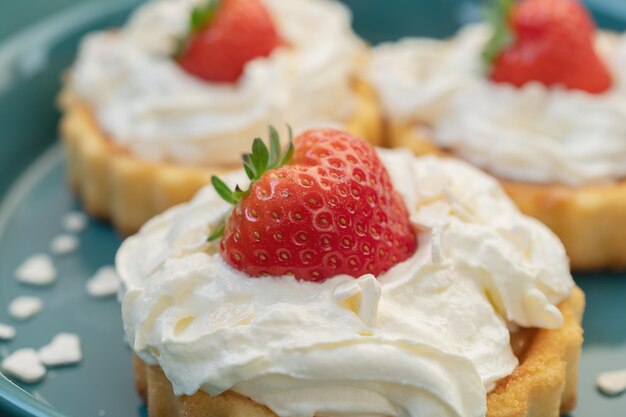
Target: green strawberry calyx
(201, 16)
(256, 163)
(497, 16)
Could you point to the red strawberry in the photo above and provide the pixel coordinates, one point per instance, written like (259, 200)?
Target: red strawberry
(225, 35)
(330, 209)
(550, 41)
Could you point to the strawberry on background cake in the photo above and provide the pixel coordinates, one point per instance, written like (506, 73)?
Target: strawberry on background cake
(153, 109)
(534, 96)
(335, 279)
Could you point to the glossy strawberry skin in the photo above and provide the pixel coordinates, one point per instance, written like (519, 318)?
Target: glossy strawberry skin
(331, 211)
(554, 44)
(241, 31)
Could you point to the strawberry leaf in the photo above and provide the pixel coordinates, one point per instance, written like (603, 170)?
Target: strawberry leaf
(223, 190)
(497, 16)
(257, 163)
(288, 153)
(217, 233)
(259, 156)
(274, 147)
(239, 194)
(202, 15)
(248, 167)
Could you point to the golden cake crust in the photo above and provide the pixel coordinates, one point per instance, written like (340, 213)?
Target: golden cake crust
(590, 221)
(543, 385)
(114, 185)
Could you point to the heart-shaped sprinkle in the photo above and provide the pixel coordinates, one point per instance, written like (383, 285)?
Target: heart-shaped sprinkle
(64, 349)
(6, 332)
(24, 364)
(37, 270)
(75, 221)
(22, 308)
(104, 283)
(612, 383)
(64, 244)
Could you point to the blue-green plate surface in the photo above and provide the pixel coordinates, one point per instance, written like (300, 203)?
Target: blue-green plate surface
(34, 198)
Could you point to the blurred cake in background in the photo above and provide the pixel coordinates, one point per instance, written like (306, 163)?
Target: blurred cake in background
(535, 96)
(152, 109)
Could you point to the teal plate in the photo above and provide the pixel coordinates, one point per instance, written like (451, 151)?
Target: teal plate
(35, 198)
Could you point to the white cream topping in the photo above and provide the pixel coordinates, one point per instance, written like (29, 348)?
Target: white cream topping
(147, 103)
(428, 338)
(532, 134)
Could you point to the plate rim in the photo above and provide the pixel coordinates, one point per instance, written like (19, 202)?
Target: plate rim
(17, 402)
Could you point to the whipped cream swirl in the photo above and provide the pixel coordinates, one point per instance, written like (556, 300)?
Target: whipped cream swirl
(427, 338)
(150, 105)
(532, 134)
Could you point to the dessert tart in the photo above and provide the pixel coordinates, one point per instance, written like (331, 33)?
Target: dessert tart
(153, 109)
(338, 280)
(544, 114)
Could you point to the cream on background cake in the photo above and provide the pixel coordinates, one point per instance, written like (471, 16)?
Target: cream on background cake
(349, 281)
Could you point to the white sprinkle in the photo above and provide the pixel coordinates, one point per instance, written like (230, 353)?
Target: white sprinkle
(22, 308)
(102, 413)
(37, 270)
(6, 332)
(24, 364)
(64, 349)
(75, 221)
(104, 283)
(612, 383)
(64, 244)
